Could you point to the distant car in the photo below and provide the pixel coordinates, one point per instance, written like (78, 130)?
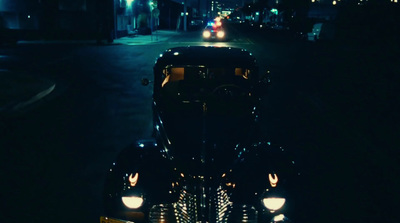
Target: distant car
(214, 32)
(196, 24)
(206, 160)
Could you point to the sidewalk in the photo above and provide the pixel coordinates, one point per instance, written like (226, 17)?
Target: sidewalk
(18, 90)
(155, 37)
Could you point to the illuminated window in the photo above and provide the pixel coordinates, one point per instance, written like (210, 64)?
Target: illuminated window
(174, 74)
(177, 73)
(245, 73)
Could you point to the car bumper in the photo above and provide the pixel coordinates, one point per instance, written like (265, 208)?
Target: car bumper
(104, 219)
(213, 38)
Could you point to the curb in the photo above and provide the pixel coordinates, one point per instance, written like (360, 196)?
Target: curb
(34, 99)
(155, 37)
(18, 91)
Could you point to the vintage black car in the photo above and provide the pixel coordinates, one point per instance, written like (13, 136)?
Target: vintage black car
(207, 160)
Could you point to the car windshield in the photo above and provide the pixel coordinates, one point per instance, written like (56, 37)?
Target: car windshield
(214, 27)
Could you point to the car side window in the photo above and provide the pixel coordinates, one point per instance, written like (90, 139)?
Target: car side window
(173, 74)
(245, 73)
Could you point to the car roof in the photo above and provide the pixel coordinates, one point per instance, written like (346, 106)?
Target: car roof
(213, 27)
(209, 56)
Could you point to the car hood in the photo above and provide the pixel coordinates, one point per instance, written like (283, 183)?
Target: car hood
(200, 132)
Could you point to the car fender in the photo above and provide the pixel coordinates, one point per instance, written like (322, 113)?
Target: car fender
(141, 170)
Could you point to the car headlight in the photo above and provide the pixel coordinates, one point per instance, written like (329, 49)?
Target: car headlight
(132, 201)
(206, 34)
(274, 203)
(220, 34)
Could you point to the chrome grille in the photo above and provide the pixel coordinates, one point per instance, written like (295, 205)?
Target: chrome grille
(162, 213)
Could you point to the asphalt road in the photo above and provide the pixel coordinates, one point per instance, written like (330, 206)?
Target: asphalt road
(334, 105)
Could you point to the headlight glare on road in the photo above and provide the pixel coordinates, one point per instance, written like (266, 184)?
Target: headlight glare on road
(132, 201)
(274, 203)
(279, 218)
(206, 34)
(220, 34)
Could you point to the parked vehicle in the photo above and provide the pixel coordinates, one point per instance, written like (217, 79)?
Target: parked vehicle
(207, 160)
(196, 24)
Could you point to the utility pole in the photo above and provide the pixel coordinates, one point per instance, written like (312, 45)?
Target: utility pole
(184, 16)
(115, 18)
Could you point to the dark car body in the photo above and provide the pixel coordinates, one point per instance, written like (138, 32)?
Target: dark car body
(206, 161)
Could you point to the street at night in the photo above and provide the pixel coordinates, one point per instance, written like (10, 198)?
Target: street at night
(333, 105)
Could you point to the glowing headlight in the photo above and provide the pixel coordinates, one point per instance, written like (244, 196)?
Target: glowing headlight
(206, 34)
(220, 34)
(274, 203)
(132, 201)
